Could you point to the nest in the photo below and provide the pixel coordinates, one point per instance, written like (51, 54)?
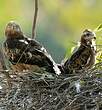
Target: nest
(36, 91)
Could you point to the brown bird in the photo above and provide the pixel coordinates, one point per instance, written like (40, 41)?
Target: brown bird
(84, 56)
(25, 53)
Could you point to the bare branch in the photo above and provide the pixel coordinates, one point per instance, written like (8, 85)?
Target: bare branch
(4, 68)
(35, 19)
(2, 62)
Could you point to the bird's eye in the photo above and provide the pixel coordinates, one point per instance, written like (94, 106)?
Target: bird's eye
(87, 34)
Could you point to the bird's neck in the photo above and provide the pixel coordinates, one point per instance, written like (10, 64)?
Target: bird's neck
(11, 37)
(85, 43)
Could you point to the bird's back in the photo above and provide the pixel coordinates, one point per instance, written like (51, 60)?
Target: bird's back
(28, 51)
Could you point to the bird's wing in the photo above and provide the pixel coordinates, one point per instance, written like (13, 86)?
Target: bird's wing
(35, 44)
(75, 61)
(29, 51)
(45, 55)
(91, 60)
(77, 54)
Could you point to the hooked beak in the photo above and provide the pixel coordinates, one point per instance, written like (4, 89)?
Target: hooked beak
(94, 37)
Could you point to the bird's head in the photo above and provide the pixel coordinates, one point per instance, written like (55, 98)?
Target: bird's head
(13, 30)
(87, 37)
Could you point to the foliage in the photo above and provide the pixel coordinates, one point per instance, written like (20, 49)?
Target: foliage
(59, 21)
(99, 56)
(99, 28)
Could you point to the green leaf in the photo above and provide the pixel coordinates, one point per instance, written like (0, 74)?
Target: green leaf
(99, 28)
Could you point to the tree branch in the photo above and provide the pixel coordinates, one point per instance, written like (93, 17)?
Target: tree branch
(2, 62)
(4, 68)
(35, 19)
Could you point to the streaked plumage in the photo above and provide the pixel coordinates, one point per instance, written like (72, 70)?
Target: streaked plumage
(84, 56)
(24, 52)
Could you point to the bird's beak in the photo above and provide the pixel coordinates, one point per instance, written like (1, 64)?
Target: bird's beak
(94, 37)
(91, 38)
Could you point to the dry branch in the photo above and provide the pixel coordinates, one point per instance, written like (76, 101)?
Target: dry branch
(3, 67)
(35, 19)
(2, 62)
(33, 91)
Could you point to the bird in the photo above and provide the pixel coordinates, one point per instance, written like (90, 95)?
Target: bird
(84, 56)
(25, 53)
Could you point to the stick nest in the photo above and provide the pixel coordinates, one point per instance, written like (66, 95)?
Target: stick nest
(36, 91)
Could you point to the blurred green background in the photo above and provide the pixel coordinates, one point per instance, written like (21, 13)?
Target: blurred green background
(59, 23)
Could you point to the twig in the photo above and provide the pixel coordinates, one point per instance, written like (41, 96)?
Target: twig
(35, 19)
(4, 68)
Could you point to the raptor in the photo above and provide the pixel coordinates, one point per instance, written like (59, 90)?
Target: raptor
(84, 56)
(25, 53)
